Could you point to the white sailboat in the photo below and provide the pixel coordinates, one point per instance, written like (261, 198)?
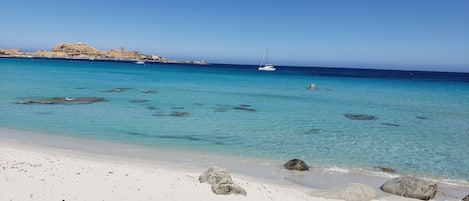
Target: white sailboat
(264, 66)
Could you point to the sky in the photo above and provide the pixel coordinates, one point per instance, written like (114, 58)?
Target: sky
(381, 34)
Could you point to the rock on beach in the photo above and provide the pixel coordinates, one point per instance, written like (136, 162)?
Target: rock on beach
(221, 181)
(410, 187)
(296, 164)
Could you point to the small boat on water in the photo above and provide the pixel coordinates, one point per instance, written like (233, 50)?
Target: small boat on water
(264, 66)
(141, 62)
(267, 67)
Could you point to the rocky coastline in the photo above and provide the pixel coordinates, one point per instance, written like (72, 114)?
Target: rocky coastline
(81, 51)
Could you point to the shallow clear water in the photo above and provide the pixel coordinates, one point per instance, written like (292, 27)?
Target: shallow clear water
(422, 124)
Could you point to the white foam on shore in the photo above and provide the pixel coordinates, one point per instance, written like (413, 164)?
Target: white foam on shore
(317, 178)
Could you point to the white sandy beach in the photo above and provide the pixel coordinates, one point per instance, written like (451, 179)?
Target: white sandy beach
(30, 170)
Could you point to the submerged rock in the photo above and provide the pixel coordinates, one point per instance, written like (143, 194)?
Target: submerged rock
(385, 169)
(348, 192)
(410, 187)
(360, 116)
(296, 164)
(148, 91)
(117, 90)
(152, 108)
(390, 124)
(421, 117)
(63, 100)
(221, 181)
(244, 108)
(139, 101)
(179, 114)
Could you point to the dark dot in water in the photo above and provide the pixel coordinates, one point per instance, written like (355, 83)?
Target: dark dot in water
(421, 117)
(245, 105)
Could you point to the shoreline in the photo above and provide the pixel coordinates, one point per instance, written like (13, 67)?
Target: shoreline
(270, 172)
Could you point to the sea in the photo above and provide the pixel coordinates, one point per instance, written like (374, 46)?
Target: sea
(360, 120)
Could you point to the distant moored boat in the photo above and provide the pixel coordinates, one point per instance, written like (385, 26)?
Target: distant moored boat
(264, 66)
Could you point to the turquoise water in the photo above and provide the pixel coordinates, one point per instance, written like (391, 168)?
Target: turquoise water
(421, 125)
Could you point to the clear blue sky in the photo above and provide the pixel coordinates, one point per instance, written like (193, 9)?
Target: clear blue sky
(391, 34)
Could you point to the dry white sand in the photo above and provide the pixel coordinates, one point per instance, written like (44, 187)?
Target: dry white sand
(31, 172)
(33, 169)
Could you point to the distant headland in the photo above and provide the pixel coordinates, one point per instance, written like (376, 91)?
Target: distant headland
(85, 52)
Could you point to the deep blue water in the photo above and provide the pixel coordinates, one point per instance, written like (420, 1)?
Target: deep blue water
(420, 121)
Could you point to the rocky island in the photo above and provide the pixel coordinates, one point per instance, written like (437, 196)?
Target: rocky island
(82, 51)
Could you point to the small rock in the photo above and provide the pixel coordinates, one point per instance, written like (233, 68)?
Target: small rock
(296, 164)
(385, 169)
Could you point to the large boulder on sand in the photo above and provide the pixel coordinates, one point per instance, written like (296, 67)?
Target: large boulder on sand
(221, 181)
(296, 164)
(410, 187)
(348, 192)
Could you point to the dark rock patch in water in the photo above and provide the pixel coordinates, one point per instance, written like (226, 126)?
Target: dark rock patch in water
(421, 117)
(247, 109)
(116, 90)
(245, 105)
(149, 91)
(63, 100)
(313, 131)
(80, 88)
(177, 108)
(137, 134)
(152, 108)
(360, 116)
(181, 137)
(385, 169)
(390, 124)
(179, 114)
(139, 101)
